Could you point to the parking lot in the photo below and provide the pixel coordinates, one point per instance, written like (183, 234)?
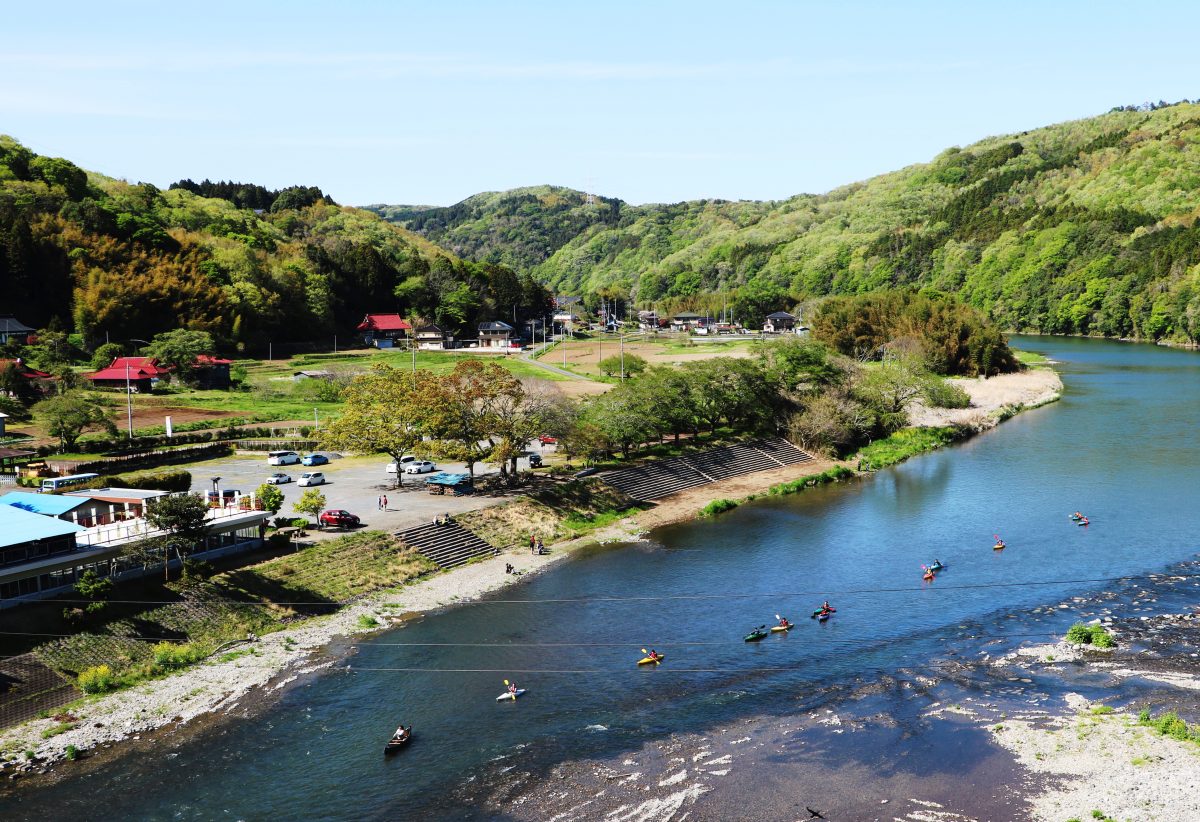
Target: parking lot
(353, 484)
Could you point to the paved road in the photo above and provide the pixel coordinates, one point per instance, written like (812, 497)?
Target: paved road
(529, 357)
(353, 484)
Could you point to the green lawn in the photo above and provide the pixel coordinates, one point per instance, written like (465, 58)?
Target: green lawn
(1031, 358)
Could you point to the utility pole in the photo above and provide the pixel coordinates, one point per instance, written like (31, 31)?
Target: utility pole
(621, 338)
(128, 400)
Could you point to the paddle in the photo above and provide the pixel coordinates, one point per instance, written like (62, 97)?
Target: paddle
(647, 653)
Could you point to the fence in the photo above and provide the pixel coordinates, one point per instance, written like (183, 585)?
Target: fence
(155, 458)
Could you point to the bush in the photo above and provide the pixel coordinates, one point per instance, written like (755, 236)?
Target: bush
(835, 474)
(366, 621)
(72, 753)
(171, 656)
(943, 394)
(97, 680)
(1095, 635)
(718, 506)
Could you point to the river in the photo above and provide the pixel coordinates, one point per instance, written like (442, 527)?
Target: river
(1120, 446)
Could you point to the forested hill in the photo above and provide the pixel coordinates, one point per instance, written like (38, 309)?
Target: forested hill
(83, 252)
(1084, 227)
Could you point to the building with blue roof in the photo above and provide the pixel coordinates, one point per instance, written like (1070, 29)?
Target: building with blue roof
(29, 544)
(49, 505)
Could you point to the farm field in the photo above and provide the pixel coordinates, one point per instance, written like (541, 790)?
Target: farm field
(583, 356)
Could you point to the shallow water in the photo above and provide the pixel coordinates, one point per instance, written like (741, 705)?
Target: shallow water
(1120, 446)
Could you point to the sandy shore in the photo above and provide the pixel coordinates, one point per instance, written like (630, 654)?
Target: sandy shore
(277, 659)
(1027, 389)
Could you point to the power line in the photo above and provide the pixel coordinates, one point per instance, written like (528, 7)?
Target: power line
(825, 592)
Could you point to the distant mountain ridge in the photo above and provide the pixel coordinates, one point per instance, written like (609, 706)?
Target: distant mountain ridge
(1086, 227)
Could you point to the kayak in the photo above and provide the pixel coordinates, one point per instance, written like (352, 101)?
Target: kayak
(929, 576)
(394, 744)
(777, 628)
(824, 616)
(999, 546)
(755, 636)
(648, 660)
(937, 566)
(512, 696)
(822, 613)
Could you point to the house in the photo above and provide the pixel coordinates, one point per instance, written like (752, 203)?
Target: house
(383, 330)
(780, 322)
(685, 321)
(495, 334)
(139, 374)
(102, 506)
(212, 372)
(432, 335)
(566, 319)
(41, 380)
(13, 330)
(58, 506)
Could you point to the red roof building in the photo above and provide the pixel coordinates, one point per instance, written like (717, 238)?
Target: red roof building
(382, 330)
(28, 372)
(138, 373)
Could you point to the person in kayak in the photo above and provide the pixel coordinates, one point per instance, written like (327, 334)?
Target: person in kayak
(401, 733)
(653, 654)
(826, 607)
(512, 689)
(783, 622)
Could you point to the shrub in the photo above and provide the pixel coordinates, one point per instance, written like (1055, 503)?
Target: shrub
(171, 656)
(72, 753)
(718, 506)
(942, 394)
(1095, 635)
(366, 621)
(96, 680)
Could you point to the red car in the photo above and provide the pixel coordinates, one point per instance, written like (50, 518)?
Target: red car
(340, 518)
(546, 439)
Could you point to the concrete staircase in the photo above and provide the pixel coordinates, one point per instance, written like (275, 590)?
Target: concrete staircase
(447, 545)
(660, 479)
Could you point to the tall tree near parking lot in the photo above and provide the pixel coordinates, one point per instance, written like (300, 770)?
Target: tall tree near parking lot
(462, 411)
(183, 518)
(312, 502)
(538, 408)
(382, 414)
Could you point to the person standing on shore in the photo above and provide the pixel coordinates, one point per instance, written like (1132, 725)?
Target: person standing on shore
(383, 503)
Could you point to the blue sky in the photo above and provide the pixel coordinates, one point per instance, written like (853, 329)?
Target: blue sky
(651, 102)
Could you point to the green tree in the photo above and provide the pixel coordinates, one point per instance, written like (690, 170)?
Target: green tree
(461, 411)
(270, 496)
(180, 349)
(69, 415)
(384, 412)
(93, 588)
(311, 502)
(631, 363)
(184, 519)
(104, 354)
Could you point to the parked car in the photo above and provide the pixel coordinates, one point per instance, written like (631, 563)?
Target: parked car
(279, 478)
(283, 458)
(535, 460)
(336, 516)
(391, 466)
(314, 459)
(311, 478)
(546, 439)
(419, 467)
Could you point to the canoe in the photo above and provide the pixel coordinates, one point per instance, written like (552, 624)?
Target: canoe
(394, 744)
(755, 636)
(647, 660)
(777, 628)
(507, 695)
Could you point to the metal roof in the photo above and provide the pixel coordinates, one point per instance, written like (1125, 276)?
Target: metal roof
(50, 505)
(109, 494)
(11, 325)
(18, 526)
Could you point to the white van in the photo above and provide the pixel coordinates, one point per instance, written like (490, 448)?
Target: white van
(283, 458)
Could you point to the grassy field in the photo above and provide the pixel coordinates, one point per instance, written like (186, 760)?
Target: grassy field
(583, 356)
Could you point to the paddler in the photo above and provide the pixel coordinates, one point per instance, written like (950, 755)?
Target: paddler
(653, 655)
(826, 607)
(512, 689)
(783, 622)
(401, 733)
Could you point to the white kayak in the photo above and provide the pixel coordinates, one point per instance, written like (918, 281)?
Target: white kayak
(507, 695)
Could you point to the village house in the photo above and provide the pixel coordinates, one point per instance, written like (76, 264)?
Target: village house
(384, 330)
(495, 334)
(13, 330)
(433, 336)
(686, 321)
(780, 322)
(212, 373)
(140, 374)
(41, 380)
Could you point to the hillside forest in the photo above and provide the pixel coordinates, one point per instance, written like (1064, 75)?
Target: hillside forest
(114, 260)
(1085, 227)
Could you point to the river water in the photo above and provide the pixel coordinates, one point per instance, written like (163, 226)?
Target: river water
(1120, 446)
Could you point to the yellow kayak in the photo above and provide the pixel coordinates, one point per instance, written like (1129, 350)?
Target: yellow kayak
(776, 629)
(648, 660)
